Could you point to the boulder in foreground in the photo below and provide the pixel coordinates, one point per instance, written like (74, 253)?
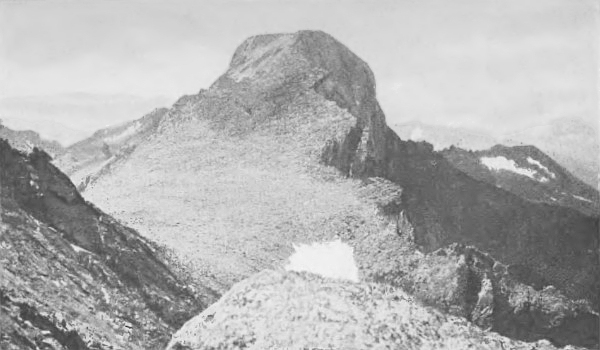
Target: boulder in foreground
(280, 310)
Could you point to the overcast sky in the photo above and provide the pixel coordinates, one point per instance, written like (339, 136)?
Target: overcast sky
(493, 64)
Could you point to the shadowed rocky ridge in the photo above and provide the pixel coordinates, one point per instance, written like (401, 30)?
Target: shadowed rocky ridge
(71, 276)
(463, 281)
(529, 173)
(570, 141)
(290, 145)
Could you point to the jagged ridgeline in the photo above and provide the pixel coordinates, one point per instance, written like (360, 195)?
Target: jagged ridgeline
(291, 145)
(71, 277)
(26, 140)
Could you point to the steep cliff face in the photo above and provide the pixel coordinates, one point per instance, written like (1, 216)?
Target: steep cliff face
(273, 71)
(71, 276)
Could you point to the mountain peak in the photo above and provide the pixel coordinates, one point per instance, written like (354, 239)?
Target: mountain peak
(302, 60)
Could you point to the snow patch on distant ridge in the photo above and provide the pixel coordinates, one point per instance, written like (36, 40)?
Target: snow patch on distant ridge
(502, 163)
(582, 199)
(541, 166)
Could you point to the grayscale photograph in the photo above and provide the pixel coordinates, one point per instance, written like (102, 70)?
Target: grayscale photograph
(299, 174)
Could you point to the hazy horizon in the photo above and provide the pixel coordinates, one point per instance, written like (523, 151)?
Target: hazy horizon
(482, 64)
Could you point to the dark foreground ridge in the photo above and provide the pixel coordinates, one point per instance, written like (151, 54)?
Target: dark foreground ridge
(71, 276)
(282, 310)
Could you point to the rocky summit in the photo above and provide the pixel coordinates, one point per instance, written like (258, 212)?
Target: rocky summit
(291, 146)
(71, 276)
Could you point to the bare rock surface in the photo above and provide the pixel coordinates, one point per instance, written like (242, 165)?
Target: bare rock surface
(27, 140)
(72, 277)
(96, 155)
(279, 310)
(463, 281)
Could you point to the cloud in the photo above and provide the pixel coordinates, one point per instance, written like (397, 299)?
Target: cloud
(416, 134)
(79, 111)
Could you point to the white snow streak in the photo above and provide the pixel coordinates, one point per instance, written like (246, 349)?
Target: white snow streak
(541, 166)
(501, 163)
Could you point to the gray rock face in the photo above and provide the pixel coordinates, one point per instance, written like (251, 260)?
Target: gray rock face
(463, 281)
(290, 310)
(71, 277)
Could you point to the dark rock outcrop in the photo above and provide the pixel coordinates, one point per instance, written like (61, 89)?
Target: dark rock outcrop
(464, 281)
(73, 276)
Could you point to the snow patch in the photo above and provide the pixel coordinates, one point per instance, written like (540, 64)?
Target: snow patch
(329, 259)
(541, 166)
(502, 163)
(582, 199)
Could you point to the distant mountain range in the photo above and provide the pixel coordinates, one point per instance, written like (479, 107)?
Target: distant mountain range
(70, 117)
(48, 129)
